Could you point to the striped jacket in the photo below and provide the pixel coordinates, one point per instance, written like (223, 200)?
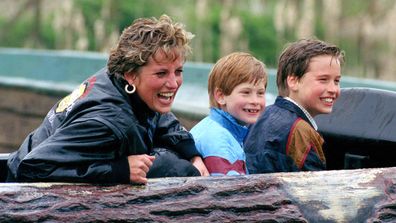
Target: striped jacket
(219, 140)
(283, 140)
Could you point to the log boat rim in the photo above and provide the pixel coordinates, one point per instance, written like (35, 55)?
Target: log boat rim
(178, 180)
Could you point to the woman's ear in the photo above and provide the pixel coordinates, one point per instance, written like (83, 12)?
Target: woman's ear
(292, 82)
(130, 77)
(219, 97)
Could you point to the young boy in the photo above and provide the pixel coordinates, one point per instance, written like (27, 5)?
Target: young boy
(236, 89)
(285, 137)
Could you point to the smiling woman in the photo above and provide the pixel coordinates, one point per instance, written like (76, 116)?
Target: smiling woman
(157, 82)
(116, 127)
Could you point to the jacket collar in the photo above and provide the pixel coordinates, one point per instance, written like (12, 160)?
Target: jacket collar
(230, 123)
(139, 107)
(296, 108)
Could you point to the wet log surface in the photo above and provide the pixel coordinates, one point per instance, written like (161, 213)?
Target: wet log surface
(364, 195)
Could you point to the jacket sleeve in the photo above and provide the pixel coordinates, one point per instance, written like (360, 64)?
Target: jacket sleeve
(83, 151)
(304, 146)
(270, 161)
(172, 135)
(313, 162)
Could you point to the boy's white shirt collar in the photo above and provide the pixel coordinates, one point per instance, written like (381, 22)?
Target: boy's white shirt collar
(305, 112)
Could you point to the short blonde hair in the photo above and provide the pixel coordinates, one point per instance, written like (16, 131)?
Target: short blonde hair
(232, 70)
(144, 38)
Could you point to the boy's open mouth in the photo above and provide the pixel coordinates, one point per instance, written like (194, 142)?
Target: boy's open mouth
(328, 100)
(252, 110)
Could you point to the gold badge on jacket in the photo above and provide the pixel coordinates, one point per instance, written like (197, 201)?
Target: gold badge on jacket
(71, 98)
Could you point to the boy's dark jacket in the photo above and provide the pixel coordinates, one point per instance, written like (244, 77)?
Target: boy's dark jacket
(283, 140)
(87, 136)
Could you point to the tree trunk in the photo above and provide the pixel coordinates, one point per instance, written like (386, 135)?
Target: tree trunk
(14, 18)
(36, 32)
(306, 23)
(230, 29)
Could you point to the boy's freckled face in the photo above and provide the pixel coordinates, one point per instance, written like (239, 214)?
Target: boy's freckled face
(246, 102)
(318, 89)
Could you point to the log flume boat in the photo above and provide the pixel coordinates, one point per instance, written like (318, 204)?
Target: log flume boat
(360, 185)
(360, 136)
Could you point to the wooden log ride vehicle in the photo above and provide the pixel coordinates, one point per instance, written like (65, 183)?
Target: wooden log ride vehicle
(359, 134)
(359, 185)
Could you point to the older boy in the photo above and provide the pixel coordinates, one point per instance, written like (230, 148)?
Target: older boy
(285, 137)
(236, 90)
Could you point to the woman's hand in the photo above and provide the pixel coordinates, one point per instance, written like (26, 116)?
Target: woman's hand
(139, 165)
(199, 164)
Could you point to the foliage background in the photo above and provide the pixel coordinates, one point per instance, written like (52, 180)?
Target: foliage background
(365, 29)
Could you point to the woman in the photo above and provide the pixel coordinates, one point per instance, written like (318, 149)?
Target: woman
(104, 131)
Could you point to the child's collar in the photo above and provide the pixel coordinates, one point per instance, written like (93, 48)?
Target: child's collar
(230, 123)
(315, 126)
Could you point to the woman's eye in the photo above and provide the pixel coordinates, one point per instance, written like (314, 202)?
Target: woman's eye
(179, 72)
(160, 74)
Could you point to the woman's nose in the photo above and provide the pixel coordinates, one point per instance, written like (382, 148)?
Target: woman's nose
(173, 81)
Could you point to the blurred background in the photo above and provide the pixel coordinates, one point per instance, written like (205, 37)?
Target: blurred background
(364, 29)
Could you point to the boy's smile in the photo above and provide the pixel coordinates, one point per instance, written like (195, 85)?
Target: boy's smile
(318, 89)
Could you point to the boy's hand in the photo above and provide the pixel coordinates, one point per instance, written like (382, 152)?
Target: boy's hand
(139, 165)
(199, 164)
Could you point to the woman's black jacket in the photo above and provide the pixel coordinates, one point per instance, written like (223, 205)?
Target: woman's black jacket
(87, 136)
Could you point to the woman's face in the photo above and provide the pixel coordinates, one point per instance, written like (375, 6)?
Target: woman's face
(157, 82)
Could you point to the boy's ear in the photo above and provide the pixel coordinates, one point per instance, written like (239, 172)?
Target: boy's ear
(219, 97)
(292, 82)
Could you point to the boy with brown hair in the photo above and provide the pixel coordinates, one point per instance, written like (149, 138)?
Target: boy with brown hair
(285, 137)
(236, 89)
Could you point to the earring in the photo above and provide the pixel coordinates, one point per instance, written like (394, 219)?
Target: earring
(127, 90)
